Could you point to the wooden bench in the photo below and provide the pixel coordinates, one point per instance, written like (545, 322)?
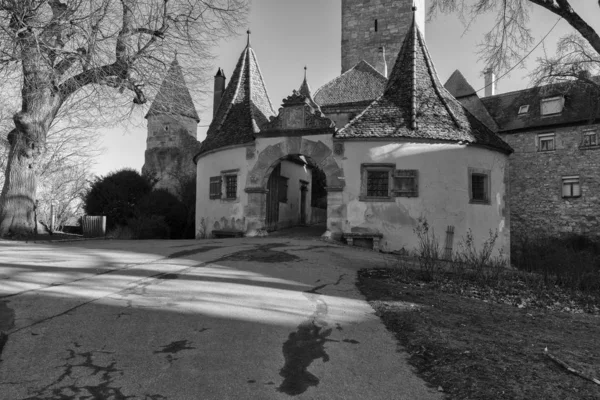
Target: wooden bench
(375, 236)
(227, 233)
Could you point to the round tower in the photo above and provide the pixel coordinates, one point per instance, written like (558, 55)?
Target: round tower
(374, 30)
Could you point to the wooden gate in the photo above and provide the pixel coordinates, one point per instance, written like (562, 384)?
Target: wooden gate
(273, 199)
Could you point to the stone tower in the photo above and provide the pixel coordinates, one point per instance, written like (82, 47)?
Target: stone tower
(373, 30)
(172, 129)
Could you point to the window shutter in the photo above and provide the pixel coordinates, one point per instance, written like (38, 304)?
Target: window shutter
(406, 183)
(215, 187)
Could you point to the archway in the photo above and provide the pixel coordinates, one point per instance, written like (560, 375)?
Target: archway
(320, 155)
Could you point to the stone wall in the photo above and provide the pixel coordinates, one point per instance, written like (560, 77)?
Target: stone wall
(360, 41)
(537, 205)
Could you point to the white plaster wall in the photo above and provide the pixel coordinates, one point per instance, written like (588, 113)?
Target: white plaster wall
(289, 213)
(263, 143)
(220, 213)
(443, 193)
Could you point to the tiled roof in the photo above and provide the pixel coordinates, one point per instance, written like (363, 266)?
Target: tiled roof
(363, 83)
(458, 85)
(578, 107)
(245, 106)
(174, 97)
(416, 105)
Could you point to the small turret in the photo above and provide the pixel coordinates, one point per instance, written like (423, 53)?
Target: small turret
(220, 84)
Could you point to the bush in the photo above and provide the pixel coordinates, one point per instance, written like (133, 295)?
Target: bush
(428, 251)
(161, 203)
(116, 195)
(150, 227)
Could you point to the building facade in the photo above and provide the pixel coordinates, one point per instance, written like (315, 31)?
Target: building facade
(392, 152)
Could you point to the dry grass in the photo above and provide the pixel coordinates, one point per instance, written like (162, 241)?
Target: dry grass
(476, 349)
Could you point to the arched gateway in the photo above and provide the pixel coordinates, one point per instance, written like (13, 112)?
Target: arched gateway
(315, 153)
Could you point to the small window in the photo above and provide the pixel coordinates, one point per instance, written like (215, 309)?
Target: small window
(571, 186)
(590, 139)
(524, 109)
(376, 25)
(215, 187)
(230, 186)
(406, 183)
(166, 129)
(378, 184)
(546, 142)
(552, 105)
(479, 186)
(283, 189)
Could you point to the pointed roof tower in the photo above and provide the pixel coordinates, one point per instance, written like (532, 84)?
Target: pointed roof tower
(307, 92)
(245, 106)
(174, 98)
(458, 85)
(416, 105)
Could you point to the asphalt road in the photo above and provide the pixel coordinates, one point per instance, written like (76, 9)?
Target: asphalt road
(268, 318)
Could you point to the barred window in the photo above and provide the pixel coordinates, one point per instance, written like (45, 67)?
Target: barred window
(215, 187)
(230, 186)
(378, 183)
(406, 183)
(479, 186)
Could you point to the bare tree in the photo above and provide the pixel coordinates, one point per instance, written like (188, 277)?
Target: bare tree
(89, 54)
(510, 37)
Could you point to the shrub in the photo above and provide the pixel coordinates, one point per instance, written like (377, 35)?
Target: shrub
(150, 227)
(164, 204)
(116, 195)
(428, 250)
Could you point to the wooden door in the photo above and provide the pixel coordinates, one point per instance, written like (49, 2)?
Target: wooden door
(303, 191)
(273, 199)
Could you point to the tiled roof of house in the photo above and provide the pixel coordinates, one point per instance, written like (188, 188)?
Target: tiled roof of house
(416, 105)
(174, 97)
(458, 85)
(245, 106)
(580, 106)
(362, 83)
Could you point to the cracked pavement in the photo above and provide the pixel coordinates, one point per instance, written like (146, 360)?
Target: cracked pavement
(268, 318)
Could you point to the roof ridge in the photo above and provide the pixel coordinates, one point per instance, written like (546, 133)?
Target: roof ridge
(262, 80)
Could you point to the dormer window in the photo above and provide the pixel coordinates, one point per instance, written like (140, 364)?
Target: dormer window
(524, 109)
(552, 105)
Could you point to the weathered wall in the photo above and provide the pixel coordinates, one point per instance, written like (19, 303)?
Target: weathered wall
(170, 148)
(220, 213)
(536, 198)
(289, 213)
(359, 39)
(443, 193)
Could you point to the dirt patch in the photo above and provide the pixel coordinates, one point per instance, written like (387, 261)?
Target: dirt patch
(262, 254)
(7, 317)
(175, 347)
(475, 349)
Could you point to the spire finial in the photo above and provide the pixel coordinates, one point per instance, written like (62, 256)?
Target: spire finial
(305, 68)
(248, 32)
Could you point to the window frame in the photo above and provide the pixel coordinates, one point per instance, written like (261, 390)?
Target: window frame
(590, 133)
(365, 168)
(524, 109)
(487, 185)
(576, 180)
(226, 179)
(543, 137)
(548, 100)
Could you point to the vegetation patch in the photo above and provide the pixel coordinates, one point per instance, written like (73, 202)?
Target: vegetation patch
(478, 342)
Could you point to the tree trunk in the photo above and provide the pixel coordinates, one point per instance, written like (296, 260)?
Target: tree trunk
(18, 200)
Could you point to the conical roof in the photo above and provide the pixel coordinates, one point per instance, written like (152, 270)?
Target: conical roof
(416, 105)
(245, 106)
(458, 86)
(307, 92)
(174, 98)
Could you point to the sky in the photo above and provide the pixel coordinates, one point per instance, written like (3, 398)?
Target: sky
(290, 34)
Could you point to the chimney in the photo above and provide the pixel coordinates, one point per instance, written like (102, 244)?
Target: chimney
(219, 89)
(381, 64)
(490, 82)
